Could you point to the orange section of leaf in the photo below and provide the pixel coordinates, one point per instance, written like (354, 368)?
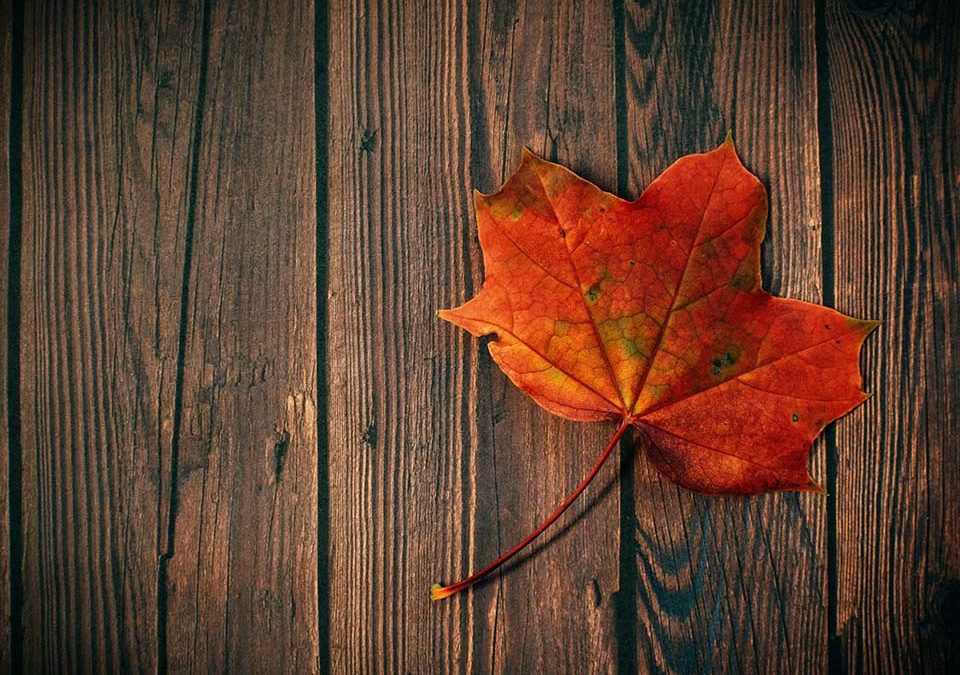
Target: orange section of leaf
(652, 311)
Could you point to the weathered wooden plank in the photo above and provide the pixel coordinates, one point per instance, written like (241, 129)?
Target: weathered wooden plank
(730, 584)
(426, 446)
(895, 116)
(242, 577)
(542, 76)
(109, 93)
(6, 290)
(402, 389)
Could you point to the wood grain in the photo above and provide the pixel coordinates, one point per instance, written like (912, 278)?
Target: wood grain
(728, 584)
(7, 291)
(242, 577)
(409, 400)
(402, 390)
(196, 499)
(108, 97)
(894, 91)
(542, 76)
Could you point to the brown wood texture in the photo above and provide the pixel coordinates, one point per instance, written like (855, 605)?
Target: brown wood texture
(405, 412)
(7, 291)
(108, 99)
(241, 583)
(729, 584)
(543, 74)
(237, 438)
(895, 114)
(405, 134)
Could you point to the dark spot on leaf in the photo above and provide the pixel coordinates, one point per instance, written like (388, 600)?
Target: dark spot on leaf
(593, 293)
(795, 417)
(280, 450)
(724, 361)
(827, 326)
(370, 435)
(563, 233)
(742, 281)
(633, 263)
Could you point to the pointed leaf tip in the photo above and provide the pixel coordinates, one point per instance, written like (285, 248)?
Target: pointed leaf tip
(814, 486)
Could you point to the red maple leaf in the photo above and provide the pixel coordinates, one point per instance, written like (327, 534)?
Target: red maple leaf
(651, 313)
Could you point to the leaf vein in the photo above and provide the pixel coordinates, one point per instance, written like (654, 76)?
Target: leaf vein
(593, 320)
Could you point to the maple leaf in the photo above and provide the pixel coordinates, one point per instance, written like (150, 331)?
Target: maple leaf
(651, 312)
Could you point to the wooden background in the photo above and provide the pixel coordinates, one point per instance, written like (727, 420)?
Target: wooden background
(235, 437)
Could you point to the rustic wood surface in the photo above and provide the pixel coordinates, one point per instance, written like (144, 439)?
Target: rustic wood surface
(9, 389)
(541, 82)
(108, 103)
(730, 66)
(236, 438)
(240, 557)
(895, 175)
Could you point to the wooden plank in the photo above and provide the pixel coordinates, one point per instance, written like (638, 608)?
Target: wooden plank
(440, 463)
(242, 577)
(895, 110)
(6, 291)
(729, 584)
(402, 389)
(542, 77)
(109, 93)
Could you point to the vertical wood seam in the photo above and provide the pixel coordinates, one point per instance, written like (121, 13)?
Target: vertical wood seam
(624, 600)
(321, 93)
(827, 247)
(14, 445)
(167, 547)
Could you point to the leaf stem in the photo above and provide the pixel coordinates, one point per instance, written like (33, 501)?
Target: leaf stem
(439, 592)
